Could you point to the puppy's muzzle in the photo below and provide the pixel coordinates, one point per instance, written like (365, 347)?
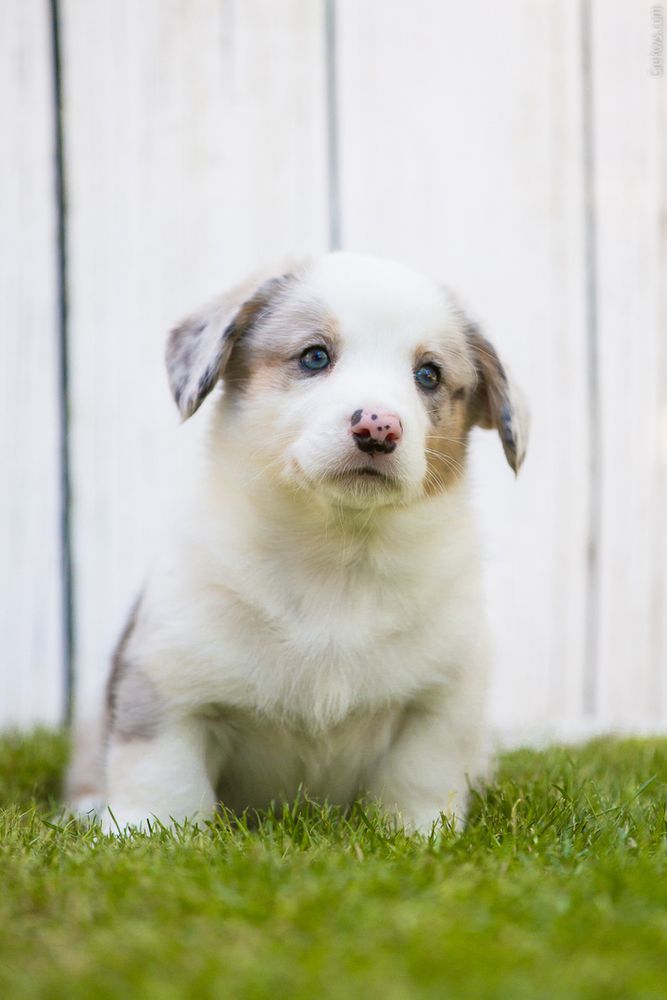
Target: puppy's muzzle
(375, 432)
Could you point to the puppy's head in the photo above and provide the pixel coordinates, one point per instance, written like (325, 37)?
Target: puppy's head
(352, 376)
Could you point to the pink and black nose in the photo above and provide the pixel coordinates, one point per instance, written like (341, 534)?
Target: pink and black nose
(375, 432)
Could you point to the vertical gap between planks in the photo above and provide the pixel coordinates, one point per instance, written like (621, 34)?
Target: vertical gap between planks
(590, 677)
(67, 589)
(333, 165)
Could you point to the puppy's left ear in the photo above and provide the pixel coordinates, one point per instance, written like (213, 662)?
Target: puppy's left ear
(497, 401)
(199, 348)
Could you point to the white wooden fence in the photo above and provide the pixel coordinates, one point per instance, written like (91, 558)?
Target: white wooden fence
(517, 150)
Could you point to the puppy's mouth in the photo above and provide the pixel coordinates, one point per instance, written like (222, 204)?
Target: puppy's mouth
(366, 470)
(362, 473)
(359, 485)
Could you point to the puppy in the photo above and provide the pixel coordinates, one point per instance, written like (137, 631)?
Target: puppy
(316, 620)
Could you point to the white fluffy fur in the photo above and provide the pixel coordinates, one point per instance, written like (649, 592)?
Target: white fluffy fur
(301, 632)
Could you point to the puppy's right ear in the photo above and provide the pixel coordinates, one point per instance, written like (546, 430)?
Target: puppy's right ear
(199, 348)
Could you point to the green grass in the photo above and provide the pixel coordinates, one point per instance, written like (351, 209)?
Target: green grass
(557, 889)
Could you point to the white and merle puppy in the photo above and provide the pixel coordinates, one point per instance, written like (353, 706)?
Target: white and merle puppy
(316, 620)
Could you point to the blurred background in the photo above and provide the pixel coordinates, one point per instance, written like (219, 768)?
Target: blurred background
(153, 152)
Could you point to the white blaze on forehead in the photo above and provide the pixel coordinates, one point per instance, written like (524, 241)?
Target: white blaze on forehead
(367, 294)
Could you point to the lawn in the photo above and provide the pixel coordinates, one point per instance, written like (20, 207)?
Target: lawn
(557, 889)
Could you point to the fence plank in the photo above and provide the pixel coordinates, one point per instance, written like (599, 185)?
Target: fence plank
(460, 146)
(196, 151)
(631, 178)
(31, 674)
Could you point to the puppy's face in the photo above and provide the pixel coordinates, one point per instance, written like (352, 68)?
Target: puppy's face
(354, 377)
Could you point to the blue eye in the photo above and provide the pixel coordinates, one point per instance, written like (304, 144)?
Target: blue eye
(315, 359)
(428, 376)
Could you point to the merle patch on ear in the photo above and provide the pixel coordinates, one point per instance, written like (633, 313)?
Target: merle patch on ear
(199, 348)
(496, 401)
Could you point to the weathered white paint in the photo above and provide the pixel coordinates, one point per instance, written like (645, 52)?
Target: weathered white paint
(631, 184)
(196, 151)
(461, 152)
(30, 610)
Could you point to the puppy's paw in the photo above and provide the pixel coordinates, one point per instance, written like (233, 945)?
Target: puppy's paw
(86, 807)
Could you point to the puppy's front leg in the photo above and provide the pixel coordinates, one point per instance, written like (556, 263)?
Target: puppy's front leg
(162, 776)
(439, 752)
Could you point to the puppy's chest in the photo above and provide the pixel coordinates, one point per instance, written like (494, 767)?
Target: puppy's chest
(317, 649)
